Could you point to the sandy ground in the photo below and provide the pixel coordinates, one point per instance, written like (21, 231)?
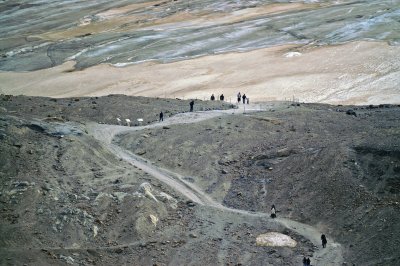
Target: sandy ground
(353, 73)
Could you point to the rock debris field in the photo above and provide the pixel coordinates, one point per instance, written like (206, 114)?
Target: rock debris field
(196, 189)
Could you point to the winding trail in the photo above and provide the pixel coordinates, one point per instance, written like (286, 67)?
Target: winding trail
(331, 255)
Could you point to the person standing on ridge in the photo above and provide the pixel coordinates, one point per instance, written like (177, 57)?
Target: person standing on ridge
(161, 117)
(221, 98)
(324, 241)
(244, 98)
(191, 105)
(212, 97)
(239, 97)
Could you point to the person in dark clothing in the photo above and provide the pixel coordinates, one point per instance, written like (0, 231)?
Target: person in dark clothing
(244, 98)
(221, 98)
(308, 261)
(273, 211)
(239, 97)
(212, 97)
(161, 116)
(191, 105)
(324, 241)
(304, 261)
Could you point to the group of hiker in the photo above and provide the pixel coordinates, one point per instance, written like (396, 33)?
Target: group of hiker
(306, 261)
(191, 104)
(243, 97)
(221, 97)
(240, 98)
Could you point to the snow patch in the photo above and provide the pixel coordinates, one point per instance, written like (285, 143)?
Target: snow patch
(292, 54)
(274, 239)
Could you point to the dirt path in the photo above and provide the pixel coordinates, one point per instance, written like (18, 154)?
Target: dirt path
(181, 186)
(106, 133)
(331, 255)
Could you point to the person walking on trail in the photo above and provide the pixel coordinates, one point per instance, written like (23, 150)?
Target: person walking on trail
(191, 105)
(161, 117)
(221, 98)
(244, 98)
(304, 261)
(273, 211)
(212, 97)
(324, 241)
(239, 97)
(308, 262)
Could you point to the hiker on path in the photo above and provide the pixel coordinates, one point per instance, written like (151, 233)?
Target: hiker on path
(212, 97)
(239, 97)
(191, 105)
(221, 98)
(304, 261)
(161, 117)
(324, 241)
(273, 211)
(308, 261)
(244, 98)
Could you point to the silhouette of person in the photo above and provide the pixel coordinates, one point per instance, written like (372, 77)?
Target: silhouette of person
(191, 105)
(273, 211)
(308, 261)
(324, 241)
(161, 116)
(304, 261)
(212, 97)
(248, 100)
(221, 98)
(239, 97)
(244, 98)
